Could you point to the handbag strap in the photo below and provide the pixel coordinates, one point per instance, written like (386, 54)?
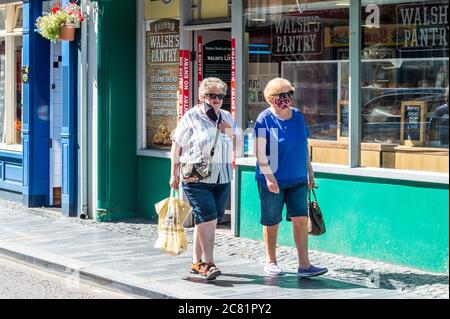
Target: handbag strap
(217, 136)
(309, 195)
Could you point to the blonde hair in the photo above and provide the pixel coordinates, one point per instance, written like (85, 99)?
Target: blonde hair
(207, 84)
(273, 86)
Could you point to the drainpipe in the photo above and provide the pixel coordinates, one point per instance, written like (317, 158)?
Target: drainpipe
(84, 113)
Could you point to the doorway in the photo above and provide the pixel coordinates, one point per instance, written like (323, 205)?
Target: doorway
(213, 59)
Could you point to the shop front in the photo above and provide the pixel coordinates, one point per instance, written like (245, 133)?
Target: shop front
(370, 78)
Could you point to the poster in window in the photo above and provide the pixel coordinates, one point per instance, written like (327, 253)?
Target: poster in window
(217, 63)
(162, 76)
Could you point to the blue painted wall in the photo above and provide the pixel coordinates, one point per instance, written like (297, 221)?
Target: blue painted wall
(35, 116)
(11, 171)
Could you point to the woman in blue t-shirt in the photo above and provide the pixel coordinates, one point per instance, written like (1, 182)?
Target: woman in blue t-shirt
(284, 174)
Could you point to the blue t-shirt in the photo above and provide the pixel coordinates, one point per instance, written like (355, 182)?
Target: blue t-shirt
(290, 137)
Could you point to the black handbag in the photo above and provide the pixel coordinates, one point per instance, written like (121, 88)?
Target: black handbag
(316, 223)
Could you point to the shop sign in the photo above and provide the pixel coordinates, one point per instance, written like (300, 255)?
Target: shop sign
(422, 27)
(162, 45)
(297, 35)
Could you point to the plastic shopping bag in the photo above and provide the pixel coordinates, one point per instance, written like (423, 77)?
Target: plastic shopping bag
(172, 212)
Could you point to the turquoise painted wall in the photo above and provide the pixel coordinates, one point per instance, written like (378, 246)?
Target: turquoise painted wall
(153, 184)
(398, 222)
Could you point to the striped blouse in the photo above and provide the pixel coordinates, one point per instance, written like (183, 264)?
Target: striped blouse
(195, 133)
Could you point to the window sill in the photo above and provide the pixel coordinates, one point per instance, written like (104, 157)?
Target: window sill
(153, 153)
(385, 173)
(11, 148)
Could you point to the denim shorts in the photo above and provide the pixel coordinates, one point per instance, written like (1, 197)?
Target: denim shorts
(208, 201)
(295, 196)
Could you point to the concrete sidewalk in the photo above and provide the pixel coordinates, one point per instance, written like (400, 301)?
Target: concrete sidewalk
(119, 256)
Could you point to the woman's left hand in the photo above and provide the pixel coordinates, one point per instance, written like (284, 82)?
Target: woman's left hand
(226, 128)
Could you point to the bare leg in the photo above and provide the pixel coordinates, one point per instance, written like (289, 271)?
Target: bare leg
(300, 226)
(197, 253)
(206, 236)
(270, 241)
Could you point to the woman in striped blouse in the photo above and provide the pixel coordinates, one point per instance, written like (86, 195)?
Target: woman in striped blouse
(193, 139)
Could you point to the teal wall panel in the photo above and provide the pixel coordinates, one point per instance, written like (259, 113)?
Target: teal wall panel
(153, 184)
(399, 222)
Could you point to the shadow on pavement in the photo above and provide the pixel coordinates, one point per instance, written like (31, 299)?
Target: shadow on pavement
(289, 281)
(408, 279)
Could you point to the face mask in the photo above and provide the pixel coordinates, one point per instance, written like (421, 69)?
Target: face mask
(283, 102)
(211, 113)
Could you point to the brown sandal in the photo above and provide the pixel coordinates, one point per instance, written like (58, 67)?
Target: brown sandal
(197, 267)
(210, 271)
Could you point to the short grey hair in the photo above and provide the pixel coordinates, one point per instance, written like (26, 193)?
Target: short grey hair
(207, 84)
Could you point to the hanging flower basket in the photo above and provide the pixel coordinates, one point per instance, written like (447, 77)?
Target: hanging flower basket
(60, 23)
(67, 32)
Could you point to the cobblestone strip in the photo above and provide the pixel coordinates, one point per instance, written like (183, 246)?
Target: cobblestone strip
(344, 268)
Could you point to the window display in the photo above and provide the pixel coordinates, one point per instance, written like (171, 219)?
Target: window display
(404, 63)
(404, 80)
(296, 44)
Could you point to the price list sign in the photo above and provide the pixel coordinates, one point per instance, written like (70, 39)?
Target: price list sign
(343, 119)
(412, 123)
(162, 74)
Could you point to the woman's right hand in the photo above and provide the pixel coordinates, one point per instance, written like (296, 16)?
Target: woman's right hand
(272, 185)
(174, 181)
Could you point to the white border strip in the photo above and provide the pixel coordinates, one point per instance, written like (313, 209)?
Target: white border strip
(386, 173)
(153, 153)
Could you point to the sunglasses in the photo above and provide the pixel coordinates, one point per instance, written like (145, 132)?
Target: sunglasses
(214, 96)
(284, 95)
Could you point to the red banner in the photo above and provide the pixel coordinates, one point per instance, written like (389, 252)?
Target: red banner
(199, 59)
(233, 89)
(183, 85)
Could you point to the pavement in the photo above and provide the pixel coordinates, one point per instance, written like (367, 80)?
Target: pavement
(120, 256)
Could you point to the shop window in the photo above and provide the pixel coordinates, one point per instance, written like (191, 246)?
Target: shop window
(307, 43)
(404, 122)
(211, 9)
(10, 76)
(18, 92)
(2, 88)
(18, 18)
(2, 19)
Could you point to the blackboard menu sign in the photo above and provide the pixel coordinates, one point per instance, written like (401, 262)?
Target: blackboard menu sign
(412, 129)
(343, 120)
(217, 63)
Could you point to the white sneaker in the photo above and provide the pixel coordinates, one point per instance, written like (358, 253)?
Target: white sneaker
(272, 269)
